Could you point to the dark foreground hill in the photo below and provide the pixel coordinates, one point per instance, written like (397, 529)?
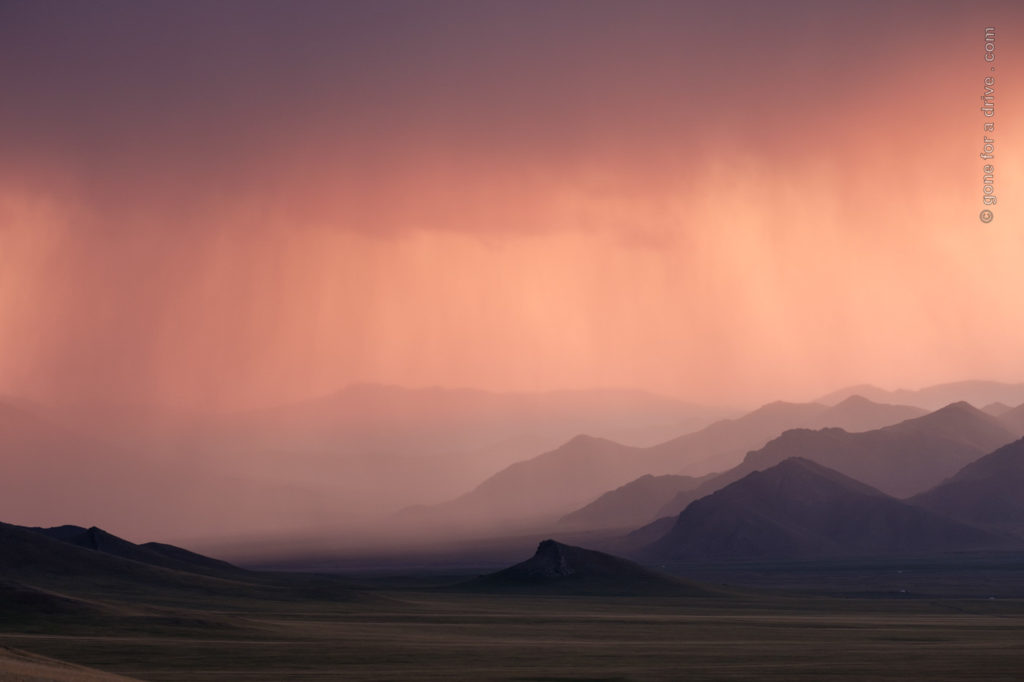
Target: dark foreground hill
(48, 583)
(153, 553)
(988, 492)
(32, 557)
(799, 509)
(564, 569)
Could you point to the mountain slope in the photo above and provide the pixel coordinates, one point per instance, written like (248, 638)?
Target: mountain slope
(933, 397)
(799, 509)
(536, 490)
(1013, 419)
(153, 553)
(564, 569)
(857, 413)
(541, 490)
(986, 492)
(996, 409)
(902, 460)
(722, 444)
(30, 557)
(630, 505)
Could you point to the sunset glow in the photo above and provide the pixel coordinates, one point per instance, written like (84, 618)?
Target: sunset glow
(711, 212)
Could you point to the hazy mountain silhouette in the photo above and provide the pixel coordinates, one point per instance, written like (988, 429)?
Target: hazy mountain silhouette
(800, 509)
(632, 504)
(902, 460)
(543, 489)
(564, 569)
(1013, 419)
(538, 490)
(857, 413)
(988, 491)
(643, 536)
(933, 397)
(154, 553)
(722, 444)
(996, 409)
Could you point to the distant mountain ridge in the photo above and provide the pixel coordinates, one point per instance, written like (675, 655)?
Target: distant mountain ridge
(977, 392)
(547, 487)
(1013, 419)
(987, 492)
(800, 509)
(902, 459)
(632, 504)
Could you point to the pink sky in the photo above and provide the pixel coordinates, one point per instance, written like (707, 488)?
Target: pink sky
(237, 205)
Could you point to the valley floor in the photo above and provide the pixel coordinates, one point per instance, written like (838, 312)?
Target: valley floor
(426, 635)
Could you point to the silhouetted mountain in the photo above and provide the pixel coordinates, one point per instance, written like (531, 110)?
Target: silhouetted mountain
(933, 397)
(902, 460)
(50, 579)
(988, 491)
(857, 413)
(31, 557)
(996, 409)
(643, 536)
(541, 490)
(630, 505)
(183, 557)
(800, 509)
(722, 445)
(1013, 419)
(156, 554)
(563, 569)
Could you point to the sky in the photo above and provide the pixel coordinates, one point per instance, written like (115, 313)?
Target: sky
(225, 205)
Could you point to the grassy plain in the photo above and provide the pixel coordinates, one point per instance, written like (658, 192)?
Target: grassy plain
(297, 628)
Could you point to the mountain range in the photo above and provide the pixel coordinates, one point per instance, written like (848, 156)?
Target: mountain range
(930, 398)
(902, 459)
(798, 509)
(988, 492)
(630, 505)
(540, 490)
